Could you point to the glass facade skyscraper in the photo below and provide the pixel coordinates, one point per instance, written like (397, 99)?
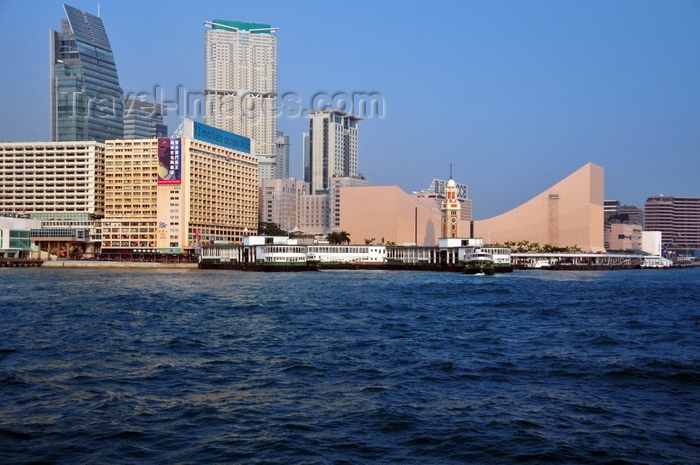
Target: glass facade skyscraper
(86, 99)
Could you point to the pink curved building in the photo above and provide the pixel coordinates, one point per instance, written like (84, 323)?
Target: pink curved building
(570, 213)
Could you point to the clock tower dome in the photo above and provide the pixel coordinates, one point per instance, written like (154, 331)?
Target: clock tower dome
(450, 211)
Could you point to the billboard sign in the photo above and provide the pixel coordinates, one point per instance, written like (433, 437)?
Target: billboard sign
(223, 138)
(169, 161)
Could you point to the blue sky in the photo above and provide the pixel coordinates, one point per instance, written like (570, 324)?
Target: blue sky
(515, 95)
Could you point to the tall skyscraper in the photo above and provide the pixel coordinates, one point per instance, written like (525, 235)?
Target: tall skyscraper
(240, 81)
(86, 100)
(333, 147)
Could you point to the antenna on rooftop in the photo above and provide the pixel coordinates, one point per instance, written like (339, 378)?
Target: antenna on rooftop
(450, 170)
(98, 10)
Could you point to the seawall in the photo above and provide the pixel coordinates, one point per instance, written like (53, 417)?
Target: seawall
(110, 264)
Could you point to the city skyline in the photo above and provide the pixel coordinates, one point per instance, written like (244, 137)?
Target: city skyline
(510, 94)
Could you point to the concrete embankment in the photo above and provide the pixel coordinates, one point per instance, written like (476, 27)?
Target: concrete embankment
(109, 264)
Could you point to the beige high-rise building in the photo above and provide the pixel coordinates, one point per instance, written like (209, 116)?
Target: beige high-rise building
(240, 81)
(168, 195)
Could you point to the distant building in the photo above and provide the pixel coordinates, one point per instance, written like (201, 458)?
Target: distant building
(388, 214)
(623, 237)
(240, 83)
(282, 157)
(306, 156)
(611, 209)
(333, 147)
(631, 214)
(86, 100)
(143, 120)
(616, 213)
(677, 218)
(313, 213)
(280, 200)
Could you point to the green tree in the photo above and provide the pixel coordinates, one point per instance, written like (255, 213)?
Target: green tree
(270, 229)
(344, 237)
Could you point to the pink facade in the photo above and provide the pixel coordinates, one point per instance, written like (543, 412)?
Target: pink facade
(388, 213)
(567, 214)
(623, 236)
(570, 213)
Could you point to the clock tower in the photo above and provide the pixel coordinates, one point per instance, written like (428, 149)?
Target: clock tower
(450, 210)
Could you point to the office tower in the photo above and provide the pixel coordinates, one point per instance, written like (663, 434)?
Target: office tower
(143, 120)
(240, 82)
(678, 219)
(86, 100)
(282, 158)
(333, 147)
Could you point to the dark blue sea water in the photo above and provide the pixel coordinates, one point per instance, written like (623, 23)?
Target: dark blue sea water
(189, 366)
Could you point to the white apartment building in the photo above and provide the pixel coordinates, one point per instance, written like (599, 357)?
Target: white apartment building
(333, 147)
(59, 183)
(62, 185)
(240, 81)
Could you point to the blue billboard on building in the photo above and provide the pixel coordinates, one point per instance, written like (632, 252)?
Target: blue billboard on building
(223, 138)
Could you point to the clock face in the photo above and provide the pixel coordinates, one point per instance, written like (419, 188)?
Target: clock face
(444, 220)
(454, 220)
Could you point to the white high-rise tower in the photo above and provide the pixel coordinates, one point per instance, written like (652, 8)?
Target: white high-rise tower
(240, 81)
(333, 148)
